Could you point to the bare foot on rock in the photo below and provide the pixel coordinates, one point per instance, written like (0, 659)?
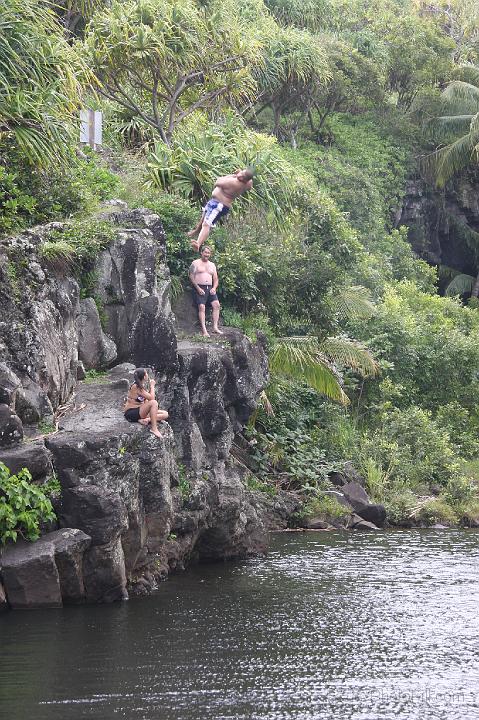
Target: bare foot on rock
(217, 331)
(157, 434)
(205, 333)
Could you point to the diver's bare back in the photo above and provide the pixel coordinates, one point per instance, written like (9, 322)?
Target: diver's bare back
(228, 188)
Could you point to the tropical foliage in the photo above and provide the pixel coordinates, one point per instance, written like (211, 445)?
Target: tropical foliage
(39, 83)
(460, 127)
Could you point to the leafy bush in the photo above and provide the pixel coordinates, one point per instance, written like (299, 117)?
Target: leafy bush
(79, 241)
(23, 506)
(30, 196)
(324, 505)
(178, 217)
(17, 207)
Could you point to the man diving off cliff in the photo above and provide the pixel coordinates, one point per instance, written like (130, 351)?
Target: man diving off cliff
(225, 192)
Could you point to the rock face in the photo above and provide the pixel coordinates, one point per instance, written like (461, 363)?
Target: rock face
(132, 507)
(38, 336)
(11, 428)
(45, 573)
(133, 284)
(439, 221)
(95, 349)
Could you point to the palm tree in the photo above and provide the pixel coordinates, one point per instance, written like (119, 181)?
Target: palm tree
(461, 97)
(315, 361)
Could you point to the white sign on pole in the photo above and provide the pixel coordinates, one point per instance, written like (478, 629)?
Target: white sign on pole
(91, 127)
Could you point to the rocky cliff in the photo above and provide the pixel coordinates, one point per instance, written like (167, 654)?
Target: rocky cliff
(443, 224)
(131, 507)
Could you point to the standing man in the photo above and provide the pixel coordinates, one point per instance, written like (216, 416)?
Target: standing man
(204, 278)
(226, 190)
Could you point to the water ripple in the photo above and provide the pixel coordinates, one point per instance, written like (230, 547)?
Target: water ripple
(362, 627)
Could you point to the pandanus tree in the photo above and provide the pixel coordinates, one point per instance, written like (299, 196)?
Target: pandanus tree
(40, 76)
(295, 66)
(162, 60)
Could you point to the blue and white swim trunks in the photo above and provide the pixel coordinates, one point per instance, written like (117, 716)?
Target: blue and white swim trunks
(214, 211)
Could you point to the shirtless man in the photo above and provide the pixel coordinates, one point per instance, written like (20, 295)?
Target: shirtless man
(226, 190)
(204, 278)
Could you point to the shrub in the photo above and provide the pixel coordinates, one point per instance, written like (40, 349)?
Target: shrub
(79, 242)
(17, 207)
(178, 217)
(30, 196)
(325, 505)
(23, 506)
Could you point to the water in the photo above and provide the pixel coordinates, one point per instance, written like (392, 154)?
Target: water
(329, 625)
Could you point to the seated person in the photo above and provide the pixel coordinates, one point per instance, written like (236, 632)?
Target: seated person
(141, 406)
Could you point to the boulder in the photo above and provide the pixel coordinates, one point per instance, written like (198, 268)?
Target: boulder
(70, 545)
(3, 599)
(95, 349)
(30, 575)
(357, 523)
(9, 384)
(356, 495)
(32, 404)
(34, 456)
(347, 475)
(317, 524)
(104, 573)
(11, 428)
(46, 572)
(358, 499)
(374, 513)
(99, 512)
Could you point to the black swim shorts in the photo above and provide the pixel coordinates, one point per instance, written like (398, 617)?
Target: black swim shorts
(132, 414)
(205, 299)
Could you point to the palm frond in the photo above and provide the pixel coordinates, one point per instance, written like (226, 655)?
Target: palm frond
(460, 285)
(445, 162)
(459, 91)
(350, 353)
(352, 303)
(300, 359)
(452, 123)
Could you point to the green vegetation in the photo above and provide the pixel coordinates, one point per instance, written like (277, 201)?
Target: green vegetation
(96, 376)
(332, 103)
(184, 483)
(23, 506)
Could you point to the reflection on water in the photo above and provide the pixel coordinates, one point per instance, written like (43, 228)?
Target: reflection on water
(361, 627)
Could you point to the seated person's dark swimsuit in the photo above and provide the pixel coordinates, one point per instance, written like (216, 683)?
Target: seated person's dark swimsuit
(133, 414)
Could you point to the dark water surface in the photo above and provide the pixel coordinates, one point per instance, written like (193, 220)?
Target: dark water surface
(329, 625)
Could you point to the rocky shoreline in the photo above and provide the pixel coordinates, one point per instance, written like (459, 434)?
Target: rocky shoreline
(131, 508)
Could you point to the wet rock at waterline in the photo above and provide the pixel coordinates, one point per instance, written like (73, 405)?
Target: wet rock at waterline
(3, 599)
(47, 572)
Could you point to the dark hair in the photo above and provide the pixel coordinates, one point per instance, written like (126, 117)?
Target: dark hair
(249, 173)
(139, 376)
(205, 247)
